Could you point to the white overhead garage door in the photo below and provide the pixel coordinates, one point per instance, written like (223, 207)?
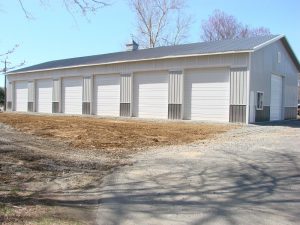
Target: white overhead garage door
(44, 96)
(207, 93)
(150, 95)
(21, 96)
(276, 98)
(108, 95)
(72, 95)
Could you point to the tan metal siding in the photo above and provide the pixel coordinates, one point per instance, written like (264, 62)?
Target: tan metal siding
(175, 87)
(238, 86)
(87, 89)
(56, 91)
(126, 88)
(31, 92)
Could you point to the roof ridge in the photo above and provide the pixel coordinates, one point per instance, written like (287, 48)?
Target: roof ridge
(189, 49)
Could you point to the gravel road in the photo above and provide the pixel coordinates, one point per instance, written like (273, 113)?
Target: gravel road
(246, 176)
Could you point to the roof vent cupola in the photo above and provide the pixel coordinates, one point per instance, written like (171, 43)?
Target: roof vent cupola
(132, 46)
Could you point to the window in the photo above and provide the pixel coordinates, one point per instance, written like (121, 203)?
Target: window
(279, 57)
(298, 83)
(259, 100)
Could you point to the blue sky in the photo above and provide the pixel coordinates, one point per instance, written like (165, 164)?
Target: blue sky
(54, 34)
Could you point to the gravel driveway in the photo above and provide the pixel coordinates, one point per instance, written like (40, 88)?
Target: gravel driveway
(247, 176)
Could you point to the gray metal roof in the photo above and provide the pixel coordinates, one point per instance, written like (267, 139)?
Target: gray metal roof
(235, 45)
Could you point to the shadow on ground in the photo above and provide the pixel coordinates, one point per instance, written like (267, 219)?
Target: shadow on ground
(283, 123)
(241, 192)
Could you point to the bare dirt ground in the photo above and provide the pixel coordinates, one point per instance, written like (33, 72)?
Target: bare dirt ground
(111, 135)
(52, 166)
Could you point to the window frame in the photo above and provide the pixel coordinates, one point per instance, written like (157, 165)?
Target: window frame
(259, 105)
(278, 57)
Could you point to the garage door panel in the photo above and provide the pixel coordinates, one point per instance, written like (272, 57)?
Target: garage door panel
(276, 98)
(151, 95)
(72, 95)
(108, 95)
(44, 96)
(21, 96)
(207, 94)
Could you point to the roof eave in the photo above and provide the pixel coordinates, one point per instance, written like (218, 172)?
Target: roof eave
(291, 53)
(256, 48)
(286, 45)
(129, 61)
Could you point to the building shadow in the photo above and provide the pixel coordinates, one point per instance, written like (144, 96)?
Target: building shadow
(283, 123)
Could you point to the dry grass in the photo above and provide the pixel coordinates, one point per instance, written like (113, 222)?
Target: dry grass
(34, 215)
(109, 134)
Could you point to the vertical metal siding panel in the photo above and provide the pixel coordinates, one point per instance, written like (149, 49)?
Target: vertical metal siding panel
(87, 89)
(241, 75)
(125, 89)
(175, 90)
(84, 90)
(231, 87)
(238, 95)
(56, 90)
(179, 88)
(169, 89)
(175, 94)
(31, 91)
(129, 89)
(238, 92)
(13, 97)
(173, 83)
(234, 89)
(9, 92)
(121, 88)
(245, 87)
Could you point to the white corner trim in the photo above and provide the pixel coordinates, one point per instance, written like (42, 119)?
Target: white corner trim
(268, 42)
(248, 106)
(130, 61)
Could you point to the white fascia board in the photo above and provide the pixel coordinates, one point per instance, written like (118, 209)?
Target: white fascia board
(268, 42)
(129, 61)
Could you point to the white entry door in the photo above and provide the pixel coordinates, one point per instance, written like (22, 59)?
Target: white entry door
(72, 95)
(108, 95)
(21, 96)
(150, 95)
(44, 96)
(207, 93)
(276, 98)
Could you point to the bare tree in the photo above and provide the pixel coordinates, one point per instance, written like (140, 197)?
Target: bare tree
(160, 22)
(220, 26)
(7, 65)
(84, 6)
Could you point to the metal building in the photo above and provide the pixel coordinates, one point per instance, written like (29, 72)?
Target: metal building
(244, 80)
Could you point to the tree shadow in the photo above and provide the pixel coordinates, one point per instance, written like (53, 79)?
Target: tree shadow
(210, 195)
